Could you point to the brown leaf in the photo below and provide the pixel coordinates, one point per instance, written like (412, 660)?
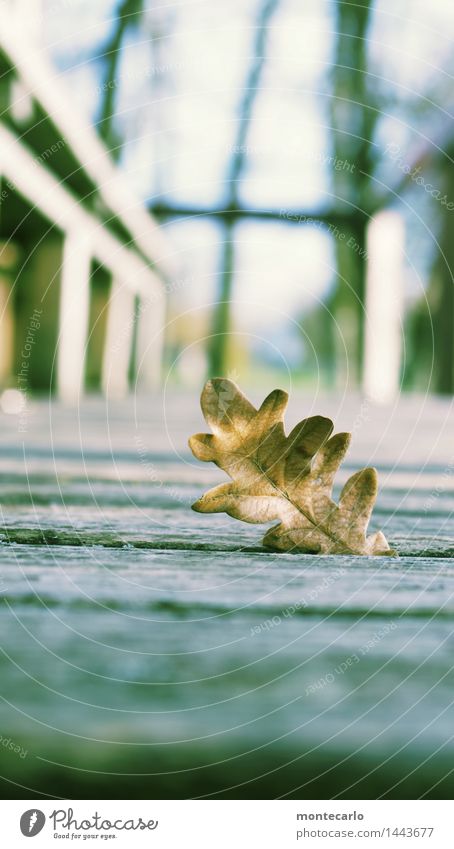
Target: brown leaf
(285, 478)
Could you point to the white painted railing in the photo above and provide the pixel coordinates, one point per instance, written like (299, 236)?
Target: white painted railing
(85, 237)
(88, 239)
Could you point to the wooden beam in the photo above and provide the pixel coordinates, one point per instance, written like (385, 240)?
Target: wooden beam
(237, 213)
(43, 81)
(86, 239)
(58, 204)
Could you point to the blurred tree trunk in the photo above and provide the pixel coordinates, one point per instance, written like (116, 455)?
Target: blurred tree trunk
(218, 349)
(443, 310)
(128, 14)
(353, 121)
(429, 325)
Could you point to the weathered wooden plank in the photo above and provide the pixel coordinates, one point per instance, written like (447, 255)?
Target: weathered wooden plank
(174, 525)
(422, 494)
(415, 431)
(267, 583)
(141, 637)
(207, 688)
(232, 635)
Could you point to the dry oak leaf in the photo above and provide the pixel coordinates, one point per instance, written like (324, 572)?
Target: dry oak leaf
(285, 478)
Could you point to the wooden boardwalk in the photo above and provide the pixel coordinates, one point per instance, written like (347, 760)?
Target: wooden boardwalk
(148, 651)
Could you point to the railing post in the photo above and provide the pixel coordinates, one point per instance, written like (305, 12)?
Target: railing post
(74, 316)
(150, 340)
(118, 344)
(384, 307)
